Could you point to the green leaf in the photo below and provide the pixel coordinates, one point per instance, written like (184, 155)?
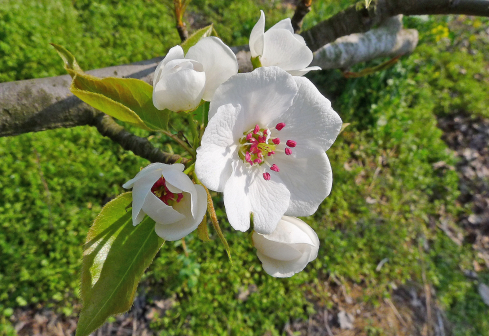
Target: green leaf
(115, 256)
(195, 37)
(127, 99)
(70, 64)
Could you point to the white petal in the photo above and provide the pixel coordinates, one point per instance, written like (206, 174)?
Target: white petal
(236, 201)
(289, 232)
(159, 211)
(273, 249)
(174, 53)
(179, 88)
(218, 60)
(300, 38)
(139, 218)
(257, 36)
(308, 179)
(149, 168)
(310, 121)
(184, 183)
(284, 24)
(283, 269)
(268, 199)
(284, 50)
(309, 231)
(213, 165)
(303, 71)
(185, 226)
(263, 94)
(226, 128)
(141, 190)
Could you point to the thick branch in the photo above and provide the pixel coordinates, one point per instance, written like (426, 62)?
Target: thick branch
(387, 40)
(359, 20)
(303, 7)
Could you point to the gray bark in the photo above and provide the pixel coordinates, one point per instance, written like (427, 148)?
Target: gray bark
(389, 40)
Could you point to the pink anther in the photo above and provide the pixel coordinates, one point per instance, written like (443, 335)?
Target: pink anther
(266, 176)
(257, 161)
(275, 168)
(276, 141)
(280, 126)
(288, 151)
(257, 128)
(179, 197)
(271, 153)
(291, 143)
(249, 136)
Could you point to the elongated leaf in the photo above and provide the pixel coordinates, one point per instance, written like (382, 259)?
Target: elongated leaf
(195, 37)
(115, 256)
(127, 99)
(71, 66)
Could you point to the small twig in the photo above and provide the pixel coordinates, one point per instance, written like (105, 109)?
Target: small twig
(139, 146)
(303, 7)
(396, 312)
(426, 289)
(328, 329)
(180, 7)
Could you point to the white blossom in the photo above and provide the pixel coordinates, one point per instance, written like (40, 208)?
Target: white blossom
(181, 82)
(287, 250)
(264, 147)
(169, 197)
(279, 46)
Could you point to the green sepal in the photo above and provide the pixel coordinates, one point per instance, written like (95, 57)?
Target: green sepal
(115, 255)
(255, 61)
(196, 37)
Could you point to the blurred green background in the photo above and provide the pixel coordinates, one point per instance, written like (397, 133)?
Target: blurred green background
(385, 195)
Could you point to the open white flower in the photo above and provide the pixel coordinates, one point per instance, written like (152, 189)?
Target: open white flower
(181, 82)
(279, 46)
(264, 147)
(287, 250)
(169, 197)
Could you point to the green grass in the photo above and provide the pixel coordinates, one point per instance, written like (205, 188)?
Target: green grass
(386, 193)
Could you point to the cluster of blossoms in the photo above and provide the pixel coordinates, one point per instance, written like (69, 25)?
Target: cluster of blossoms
(263, 148)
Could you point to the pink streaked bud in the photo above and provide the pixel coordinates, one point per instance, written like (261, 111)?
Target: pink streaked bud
(280, 126)
(266, 176)
(271, 153)
(288, 151)
(276, 141)
(257, 161)
(291, 143)
(275, 168)
(257, 128)
(249, 136)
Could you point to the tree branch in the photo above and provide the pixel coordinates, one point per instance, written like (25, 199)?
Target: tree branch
(358, 19)
(389, 40)
(303, 7)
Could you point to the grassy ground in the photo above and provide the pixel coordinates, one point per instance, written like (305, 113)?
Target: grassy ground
(385, 203)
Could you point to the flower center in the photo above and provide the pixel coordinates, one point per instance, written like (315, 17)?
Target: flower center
(257, 145)
(160, 190)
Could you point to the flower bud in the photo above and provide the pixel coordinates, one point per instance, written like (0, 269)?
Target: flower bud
(287, 250)
(169, 197)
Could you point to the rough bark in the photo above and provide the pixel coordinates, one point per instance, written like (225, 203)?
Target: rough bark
(389, 40)
(358, 19)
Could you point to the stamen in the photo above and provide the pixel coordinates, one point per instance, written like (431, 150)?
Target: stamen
(276, 141)
(257, 161)
(280, 126)
(271, 153)
(179, 197)
(266, 176)
(248, 157)
(249, 136)
(288, 151)
(275, 168)
(257, 128)
(291, 143)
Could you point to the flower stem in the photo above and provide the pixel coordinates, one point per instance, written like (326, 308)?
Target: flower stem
(180, 142)
(212, 214)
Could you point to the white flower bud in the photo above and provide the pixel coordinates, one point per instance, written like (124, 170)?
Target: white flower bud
(287, 250)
